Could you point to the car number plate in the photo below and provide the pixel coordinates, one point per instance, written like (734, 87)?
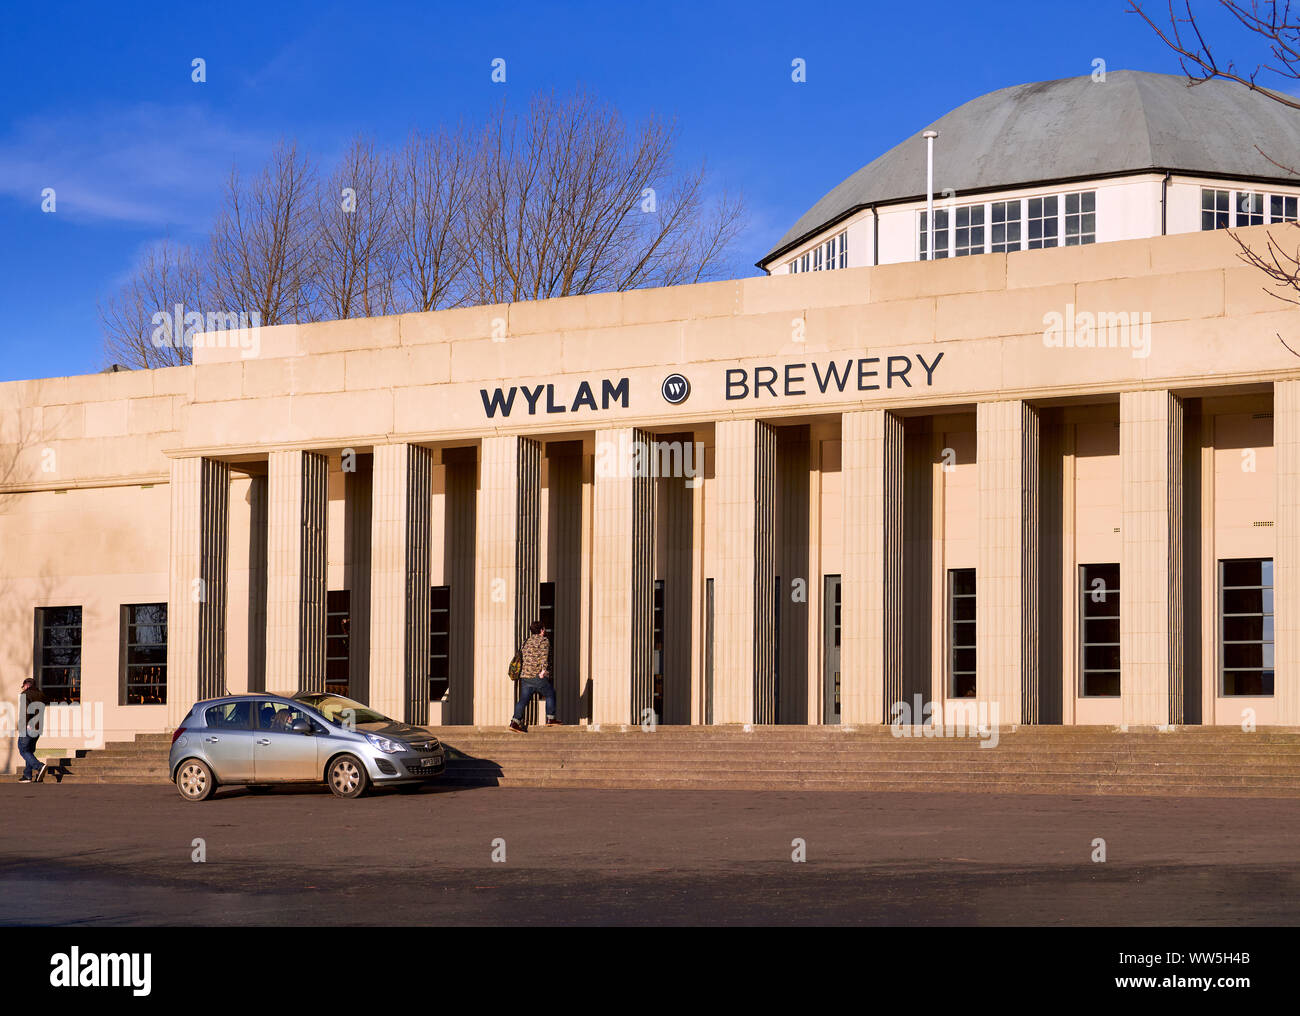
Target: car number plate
(430, 761)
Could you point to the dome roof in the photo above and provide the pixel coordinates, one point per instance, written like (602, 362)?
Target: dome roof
(1074, 128)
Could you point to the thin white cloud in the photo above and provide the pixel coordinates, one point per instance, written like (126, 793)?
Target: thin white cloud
(148, 165)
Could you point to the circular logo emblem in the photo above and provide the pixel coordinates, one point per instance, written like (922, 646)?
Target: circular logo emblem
(675, 389)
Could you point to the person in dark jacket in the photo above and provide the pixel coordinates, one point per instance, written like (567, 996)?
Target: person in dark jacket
(31, 722)
(535, 677)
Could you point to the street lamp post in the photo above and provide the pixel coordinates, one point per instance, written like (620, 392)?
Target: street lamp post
(929, 192)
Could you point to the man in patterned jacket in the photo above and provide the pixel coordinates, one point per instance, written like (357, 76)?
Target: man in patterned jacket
(535, 677)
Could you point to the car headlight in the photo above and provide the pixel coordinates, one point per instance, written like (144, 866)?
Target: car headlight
(384, 744)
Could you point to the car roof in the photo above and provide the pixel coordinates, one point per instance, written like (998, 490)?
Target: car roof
(261, 696)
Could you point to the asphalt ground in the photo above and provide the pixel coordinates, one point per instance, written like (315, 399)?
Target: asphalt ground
(115, 855)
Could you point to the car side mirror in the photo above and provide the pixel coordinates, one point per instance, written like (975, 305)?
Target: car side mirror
(301, 726)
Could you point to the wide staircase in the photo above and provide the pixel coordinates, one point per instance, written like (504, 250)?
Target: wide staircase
(1190, 761)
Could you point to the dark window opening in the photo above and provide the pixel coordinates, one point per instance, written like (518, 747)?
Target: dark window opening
(439, 642)
(1099, 638)
(657, 640)
(338, 629)
(961, 631)
(144, 654)
(58, 653)
(1246, 626)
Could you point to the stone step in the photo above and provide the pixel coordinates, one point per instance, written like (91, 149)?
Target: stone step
(917, 770)
(881, 786)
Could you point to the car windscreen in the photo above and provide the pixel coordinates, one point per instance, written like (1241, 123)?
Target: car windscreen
(341, 710)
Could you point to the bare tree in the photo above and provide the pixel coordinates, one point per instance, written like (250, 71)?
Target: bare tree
(1273, 30)
(139, 323)
(570, 200)
(560, 200)
(355, 253)
(433, 176)
(263, 246)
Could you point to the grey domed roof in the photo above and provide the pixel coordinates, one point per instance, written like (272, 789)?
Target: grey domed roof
(1075, 128)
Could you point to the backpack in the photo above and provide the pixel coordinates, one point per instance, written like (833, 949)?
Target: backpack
(516, 665)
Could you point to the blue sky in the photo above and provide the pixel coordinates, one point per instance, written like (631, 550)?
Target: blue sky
(98, 104)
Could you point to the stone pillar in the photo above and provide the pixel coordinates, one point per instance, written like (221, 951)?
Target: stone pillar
(358, 496)
(622, 577)
(196, 597)
(401, 516)
(744, 661)
(1006, 576)
(1286, 553)
(459, 541)
(507, 569)
(566, 525)
(295, 571)
(871, 587)
(257, 526)
(1150, 567)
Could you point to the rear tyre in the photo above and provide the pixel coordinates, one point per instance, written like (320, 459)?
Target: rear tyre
(195, 780)
(347, 777)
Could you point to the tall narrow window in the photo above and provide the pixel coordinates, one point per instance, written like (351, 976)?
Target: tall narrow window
(1099, 621)
(1042, 222)
(338, 628)
(708, 651)
(1250, 208)
(803, 264)
(1080, 218)
(1005, 222)
(1281, 208)
(844, 249)
(940, 235)
(58, 653)
(1215, 212)
(817, 259)
(144, 654)
(440, 642)
(961, 632)
(657, 640)
(831, 650)
(1246, 626)
(968, 238)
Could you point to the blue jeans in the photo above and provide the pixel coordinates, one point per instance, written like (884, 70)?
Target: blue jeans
(27, 749)
(530, 686)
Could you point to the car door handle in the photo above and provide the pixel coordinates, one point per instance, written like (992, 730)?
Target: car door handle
(212, 740)
(263, 740)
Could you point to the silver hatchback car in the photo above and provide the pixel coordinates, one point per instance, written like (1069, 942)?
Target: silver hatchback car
(260, 738)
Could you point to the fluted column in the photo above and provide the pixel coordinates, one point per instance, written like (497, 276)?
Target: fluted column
(1286, 566)
(744, 661)
(295, 571)
(871, 587)
(401, 517)
(196, 597)
(507, 569)
(622, 577)
(1006, 577)
(1150, 570)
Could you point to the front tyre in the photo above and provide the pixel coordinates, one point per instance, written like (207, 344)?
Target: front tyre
(347, 777)
(195, 781)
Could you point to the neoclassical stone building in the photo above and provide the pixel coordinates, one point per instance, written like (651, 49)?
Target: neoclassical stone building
(1061, 481)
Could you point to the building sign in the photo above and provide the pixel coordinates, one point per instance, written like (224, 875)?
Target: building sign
(864, 374)
(791, 380)
(503, 401)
